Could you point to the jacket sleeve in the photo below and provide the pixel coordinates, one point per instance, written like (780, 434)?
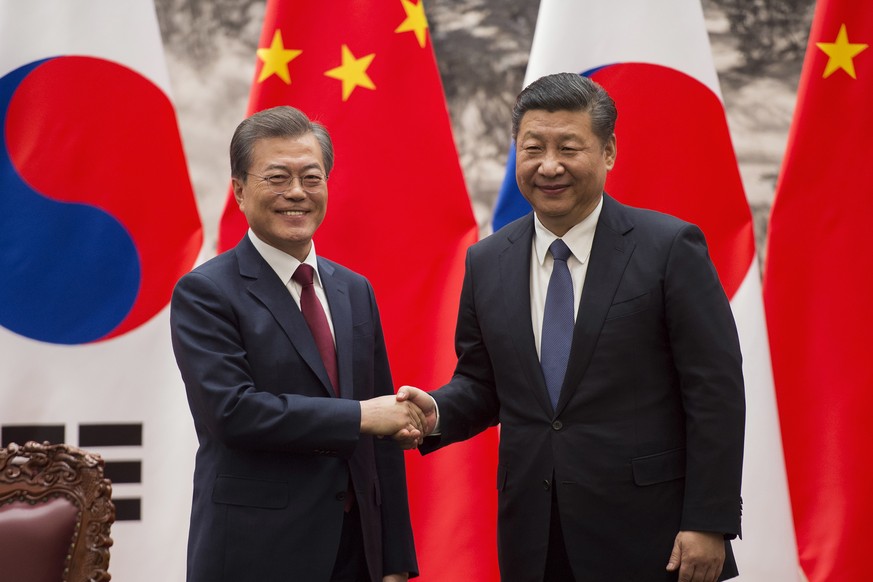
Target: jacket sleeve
(468, 404)
(706, 351)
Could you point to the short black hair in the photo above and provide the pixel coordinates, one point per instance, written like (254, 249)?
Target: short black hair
(568, 92)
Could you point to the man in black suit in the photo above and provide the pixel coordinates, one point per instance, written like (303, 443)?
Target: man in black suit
(287, 377)
(621, 406)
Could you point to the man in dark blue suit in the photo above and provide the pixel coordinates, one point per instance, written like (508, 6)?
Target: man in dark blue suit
(619, 396)
(287, 378)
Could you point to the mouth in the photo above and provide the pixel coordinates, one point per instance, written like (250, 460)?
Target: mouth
(293, 212)
(552, 188)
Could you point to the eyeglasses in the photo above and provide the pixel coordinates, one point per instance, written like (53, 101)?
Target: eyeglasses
(280, 183)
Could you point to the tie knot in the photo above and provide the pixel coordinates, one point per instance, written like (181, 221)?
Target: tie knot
(303, 274)
(560, 251)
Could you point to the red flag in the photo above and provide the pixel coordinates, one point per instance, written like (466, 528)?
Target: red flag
(818, 284)
(400, 215)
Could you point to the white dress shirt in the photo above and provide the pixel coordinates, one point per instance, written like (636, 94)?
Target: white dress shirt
(285, 265)
(579, 239)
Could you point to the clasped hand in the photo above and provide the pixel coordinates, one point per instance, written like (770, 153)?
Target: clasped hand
(390, 416)
(426, 404)
(407, 417)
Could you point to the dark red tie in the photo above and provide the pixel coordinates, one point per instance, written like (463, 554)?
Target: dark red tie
(314, 315)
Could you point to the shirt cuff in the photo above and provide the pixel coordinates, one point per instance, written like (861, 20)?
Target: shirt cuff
(436, 427)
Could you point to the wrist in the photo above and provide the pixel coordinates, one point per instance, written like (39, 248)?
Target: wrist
(365, 421)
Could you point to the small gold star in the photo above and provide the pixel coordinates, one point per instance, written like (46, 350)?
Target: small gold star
(353, 72)
(276, 59)
(840, 53)
(415, 21)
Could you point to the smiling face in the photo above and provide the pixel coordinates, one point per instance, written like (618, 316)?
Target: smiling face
(288, 220)
(561, 166)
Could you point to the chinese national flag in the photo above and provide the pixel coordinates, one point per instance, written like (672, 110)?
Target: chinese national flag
(818, 287)
(400, 215)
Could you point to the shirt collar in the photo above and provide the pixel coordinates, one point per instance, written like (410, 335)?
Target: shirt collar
(281, 262)
(579, 238)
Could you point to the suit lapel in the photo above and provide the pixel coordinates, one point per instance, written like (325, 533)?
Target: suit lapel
(610, 254)
(341, 316)
(269, 290)
(515, 280)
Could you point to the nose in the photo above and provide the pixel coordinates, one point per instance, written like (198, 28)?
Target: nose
(551, 164)
(294, 191)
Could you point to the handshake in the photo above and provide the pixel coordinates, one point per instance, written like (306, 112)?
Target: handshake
(407, 417)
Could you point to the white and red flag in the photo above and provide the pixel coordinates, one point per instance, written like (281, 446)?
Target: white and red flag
(97, 222)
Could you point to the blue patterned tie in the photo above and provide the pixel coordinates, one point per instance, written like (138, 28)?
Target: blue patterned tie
(557, 322)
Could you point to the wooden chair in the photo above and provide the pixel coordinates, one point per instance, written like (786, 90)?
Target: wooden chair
(55, 514)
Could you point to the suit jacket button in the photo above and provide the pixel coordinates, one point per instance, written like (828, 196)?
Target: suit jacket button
(557, 425)
(340, 496)
(546, 484)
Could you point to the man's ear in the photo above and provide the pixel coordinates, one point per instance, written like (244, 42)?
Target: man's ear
(237, 190)
(611, 150)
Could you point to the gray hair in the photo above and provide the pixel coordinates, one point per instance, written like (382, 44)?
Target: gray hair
(282, 121)
(568, 92)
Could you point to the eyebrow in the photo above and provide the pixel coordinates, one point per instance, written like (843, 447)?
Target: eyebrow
(313, 165)
(536, 135)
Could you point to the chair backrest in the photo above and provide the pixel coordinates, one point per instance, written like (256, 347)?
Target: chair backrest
(56, 513)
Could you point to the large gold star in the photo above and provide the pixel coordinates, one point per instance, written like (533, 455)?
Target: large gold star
(353, 72)
(276, 59)
(415, 21)
(840, 53)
